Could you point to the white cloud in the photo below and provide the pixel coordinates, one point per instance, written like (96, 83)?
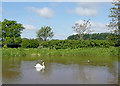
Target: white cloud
(84, 9)
(29, 27)
(97, 27)
(42, 12)
(29, 31)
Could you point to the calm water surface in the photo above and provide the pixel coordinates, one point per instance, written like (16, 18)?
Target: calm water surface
(60, 70)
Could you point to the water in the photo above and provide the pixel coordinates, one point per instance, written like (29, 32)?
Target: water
(60, 70)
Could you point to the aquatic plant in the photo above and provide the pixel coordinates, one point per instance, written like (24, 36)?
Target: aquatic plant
(111, 51)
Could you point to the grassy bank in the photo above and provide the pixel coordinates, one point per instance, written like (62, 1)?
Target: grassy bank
(112, 51)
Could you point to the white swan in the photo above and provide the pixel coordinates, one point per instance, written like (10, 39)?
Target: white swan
(39, 67)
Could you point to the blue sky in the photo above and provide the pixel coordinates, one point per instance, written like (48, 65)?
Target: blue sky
(60, 16)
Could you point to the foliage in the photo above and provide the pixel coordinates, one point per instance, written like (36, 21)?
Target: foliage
(80, 29)
(0, 30)
(73, 37)
(114, 38)
(11, 31)
(5, 46)
(112, 51)
(98, 36)
(73, 44)
(0, 33)
(114, 25)
(30, 43)
(44, 33)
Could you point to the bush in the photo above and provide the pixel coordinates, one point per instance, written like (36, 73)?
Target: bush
(5, 46)
(73, 44)
(30, 43)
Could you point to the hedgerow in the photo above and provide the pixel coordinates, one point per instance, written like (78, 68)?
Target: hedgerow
(30, 43)
(73, 44)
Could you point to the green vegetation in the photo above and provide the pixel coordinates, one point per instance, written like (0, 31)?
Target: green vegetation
(114, 25)
(44, 33)
(112, 51)
(95, 36)
(30, 43)
(11, 33)
(74, 44)
(80, 29)
(5, 46)
(98, 36)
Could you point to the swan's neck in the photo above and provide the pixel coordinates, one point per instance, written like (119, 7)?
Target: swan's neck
(43, 64)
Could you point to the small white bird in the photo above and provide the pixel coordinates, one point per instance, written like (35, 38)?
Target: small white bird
(88, 61)
(39, 66)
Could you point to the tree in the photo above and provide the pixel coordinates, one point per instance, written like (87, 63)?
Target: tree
(0, 30)
(45, 33)
(95, 36)
(80, 29)
(11, 33)
(0, 33)
(73, 37)
(114, 25)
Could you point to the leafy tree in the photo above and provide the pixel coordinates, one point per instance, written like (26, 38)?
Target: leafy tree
(114, 25)
(80, 29)
(0, 33)
(11, 32)
(44, 33)
(0, 30)
(73, 37)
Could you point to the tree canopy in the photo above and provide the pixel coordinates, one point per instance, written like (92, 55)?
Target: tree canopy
(44, 33)
(29, 43)
(80, 29)
(11, 32)
(114, 25)
(98, 36)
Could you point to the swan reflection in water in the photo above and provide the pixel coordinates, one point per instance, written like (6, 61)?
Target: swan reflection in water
(40, 67)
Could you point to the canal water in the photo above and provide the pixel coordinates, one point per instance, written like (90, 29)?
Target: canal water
(60, 70)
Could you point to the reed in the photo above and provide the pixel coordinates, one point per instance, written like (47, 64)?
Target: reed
(111, 51)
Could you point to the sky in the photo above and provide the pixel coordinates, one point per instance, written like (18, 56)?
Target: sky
(60, 16)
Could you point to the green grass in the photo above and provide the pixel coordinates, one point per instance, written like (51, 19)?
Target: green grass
(15, 52)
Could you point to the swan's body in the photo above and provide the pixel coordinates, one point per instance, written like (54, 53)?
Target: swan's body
(39, 66)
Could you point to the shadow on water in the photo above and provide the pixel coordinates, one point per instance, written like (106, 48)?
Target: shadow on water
(60, 70)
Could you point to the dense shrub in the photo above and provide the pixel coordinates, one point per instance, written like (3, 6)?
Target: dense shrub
(73, 44)
(5, 46)
(30, 43)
